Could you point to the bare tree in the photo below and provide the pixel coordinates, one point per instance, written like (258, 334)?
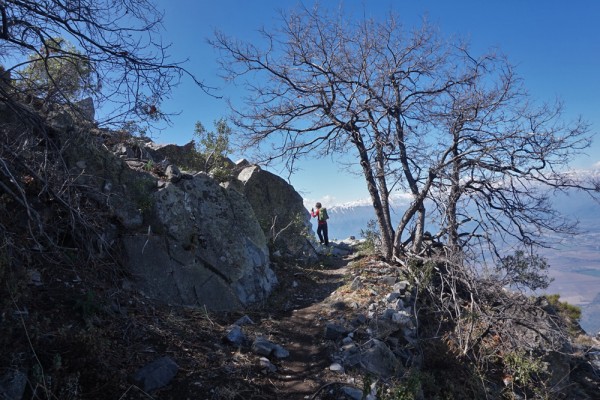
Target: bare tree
(326, 86)
(118, 41)
(507, 157)
(422, 116)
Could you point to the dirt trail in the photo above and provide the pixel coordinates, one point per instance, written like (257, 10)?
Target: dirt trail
(300, 327)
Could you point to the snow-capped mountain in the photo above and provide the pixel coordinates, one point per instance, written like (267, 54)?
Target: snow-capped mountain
(348, 219)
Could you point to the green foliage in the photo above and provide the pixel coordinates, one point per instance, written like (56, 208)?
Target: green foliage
(569, 310)
(524, 271)
(372, 238)
(409, 387)
(423, 272)
(213, 148)
(149, 166)
(57, 73)
(524, 370)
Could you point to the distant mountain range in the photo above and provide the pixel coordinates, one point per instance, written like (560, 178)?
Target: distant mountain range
(575, 263)
(350, 219)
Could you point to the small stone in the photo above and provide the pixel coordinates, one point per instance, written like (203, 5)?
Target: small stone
(262, 346)
(388, 280)
(235, 335)
(280, 352)
(392, 296)
(334, 331)
(401, 286)
(35, 278)
(336, 367)
(157, 374)
(12, 385)
(356, 283)
(401, 317)
(352, 392)
(245, 320)
(388, 314)
(265, 363)
(347, 340)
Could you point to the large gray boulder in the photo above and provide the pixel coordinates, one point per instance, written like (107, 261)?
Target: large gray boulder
(279, 209)
(203, 247)
(187, 240)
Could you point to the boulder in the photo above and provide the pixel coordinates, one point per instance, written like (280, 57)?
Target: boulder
(183, 156)
(204, 247)
(187, 240)
(278, 208)
(380, 361)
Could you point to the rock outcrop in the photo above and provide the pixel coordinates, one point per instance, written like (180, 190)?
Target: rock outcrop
(187, 239)
(203, 247)
(279, 209)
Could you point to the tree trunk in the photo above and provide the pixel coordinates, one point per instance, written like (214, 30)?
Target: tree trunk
(455, 191)
(381, 208)
(384, 191)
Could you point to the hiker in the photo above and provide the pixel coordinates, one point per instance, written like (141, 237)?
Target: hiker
(322, 217)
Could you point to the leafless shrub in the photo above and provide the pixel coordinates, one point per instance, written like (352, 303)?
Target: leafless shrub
(485, 325)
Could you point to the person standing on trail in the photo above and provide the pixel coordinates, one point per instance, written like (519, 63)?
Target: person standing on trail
(322, 217)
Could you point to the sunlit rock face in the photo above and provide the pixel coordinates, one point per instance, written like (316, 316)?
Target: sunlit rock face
(278, 208)
(206, 247)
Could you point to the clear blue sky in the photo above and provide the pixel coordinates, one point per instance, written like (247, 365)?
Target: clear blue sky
(554, 44)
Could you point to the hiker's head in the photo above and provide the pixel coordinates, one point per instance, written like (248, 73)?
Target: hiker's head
(318, 205)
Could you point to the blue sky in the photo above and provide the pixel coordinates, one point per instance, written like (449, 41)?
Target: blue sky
(554, 44)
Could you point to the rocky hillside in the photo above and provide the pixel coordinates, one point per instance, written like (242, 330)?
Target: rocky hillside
(128, 272)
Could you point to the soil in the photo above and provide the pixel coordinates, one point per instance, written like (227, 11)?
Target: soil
(80, 332)
(78, 337)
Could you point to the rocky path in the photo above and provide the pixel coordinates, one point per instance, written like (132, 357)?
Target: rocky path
(308, 303)
(323, 331)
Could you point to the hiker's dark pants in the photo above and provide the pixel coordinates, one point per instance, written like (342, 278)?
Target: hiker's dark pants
(322, 232)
